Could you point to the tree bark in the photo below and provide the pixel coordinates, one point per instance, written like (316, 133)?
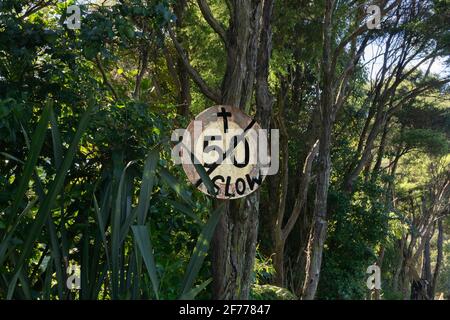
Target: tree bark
(319, 228)
(234, 242)
(182, 72)
(248, 46)
(426, 269)
(278, 253)
(335, 89)
(381, 151)
(437, 268)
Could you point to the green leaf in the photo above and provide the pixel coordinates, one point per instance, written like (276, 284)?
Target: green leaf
(142, 238)
(11, 157)
(116, 232)
(55, 187)
(101, 225)
(12, 286)
(191, 294)
(56, 139)
(176, 186)
(4, 243)
(206, 180)
(30, 164)
(187, 211)
(145, 194)
(200, 250)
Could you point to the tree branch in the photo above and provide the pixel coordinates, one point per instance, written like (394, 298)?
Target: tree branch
(105, 78)
(429, 85)
(143, 64)
(211, 93)
(213, 22)
(358, 31)
(38, 6)
(303, 190)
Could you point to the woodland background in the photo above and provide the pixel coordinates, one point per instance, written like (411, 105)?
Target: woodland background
(86, 177)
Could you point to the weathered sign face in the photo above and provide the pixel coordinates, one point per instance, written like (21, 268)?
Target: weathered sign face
(224, 140)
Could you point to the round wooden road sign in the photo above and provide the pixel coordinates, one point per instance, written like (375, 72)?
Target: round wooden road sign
(224, 140)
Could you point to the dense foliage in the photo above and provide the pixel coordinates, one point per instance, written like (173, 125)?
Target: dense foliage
(87, 178)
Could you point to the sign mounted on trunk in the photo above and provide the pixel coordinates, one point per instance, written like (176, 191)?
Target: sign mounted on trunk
(231, 147)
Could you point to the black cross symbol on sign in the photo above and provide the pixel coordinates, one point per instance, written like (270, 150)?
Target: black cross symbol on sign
(225, 116)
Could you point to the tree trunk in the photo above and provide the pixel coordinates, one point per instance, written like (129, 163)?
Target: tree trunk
(366, 154)
(380, 153)
(398, 270)
(282, 233)
(277, 226)
(234, 242)
(335, 91)
(437, 268)
(182, 73)
(278, 262)
(426, 266)
(319, 229)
